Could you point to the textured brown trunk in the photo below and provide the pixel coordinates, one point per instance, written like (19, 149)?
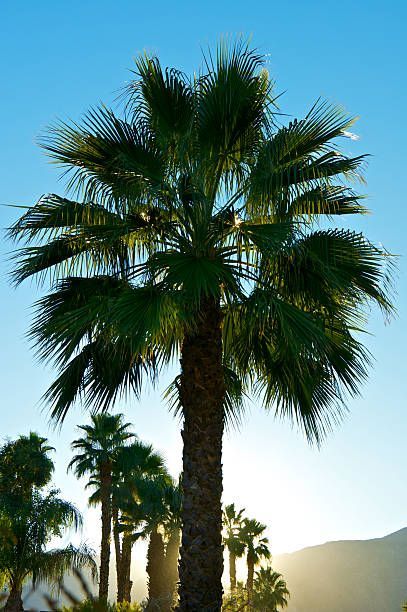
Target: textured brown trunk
(15, 601)
(232, 571)
(250, 579)
(155, 570)
(171, 568)
(126, 567)
(118, 552)
(202, 399)
(105, 494)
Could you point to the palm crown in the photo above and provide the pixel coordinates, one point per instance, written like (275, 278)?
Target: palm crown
(270, 590)
(103, 439)
(257, 545)
(195, 193)
(25, 464)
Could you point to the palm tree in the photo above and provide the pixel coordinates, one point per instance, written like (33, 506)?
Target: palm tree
(25, 530)
(142, 516)
(135, 468)
(193, 234)
(270, 591)
(233, 523)
(97, 450)
(24, 465)
(162, 504)
(256, 546)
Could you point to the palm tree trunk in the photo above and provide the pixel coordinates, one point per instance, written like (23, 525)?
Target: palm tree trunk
(118, 552)
(15, 601)
(105, 490)
(250, 580)
(125, 569)
(232, 571)
(202, 400)
(155, 568)
(171, 568)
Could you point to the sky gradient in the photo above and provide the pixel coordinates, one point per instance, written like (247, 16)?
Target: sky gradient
(59, 58)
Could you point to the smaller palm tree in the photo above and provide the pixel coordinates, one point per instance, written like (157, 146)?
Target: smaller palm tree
(257, 548)
(133, 466)
(97, 450)
(270, 591)
(25, 464)
(233, 524)
(137, 469)
(25, 531)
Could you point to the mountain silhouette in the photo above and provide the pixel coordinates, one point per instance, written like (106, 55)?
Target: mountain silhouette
(348, 575)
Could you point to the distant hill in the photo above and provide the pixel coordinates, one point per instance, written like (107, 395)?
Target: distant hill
(348, 576)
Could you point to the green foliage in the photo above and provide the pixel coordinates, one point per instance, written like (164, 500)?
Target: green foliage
(25, 464)
(255, 543)
(270, 591)
(196, 192)
(237, 600)
(103, 439)
(270, 594)
(30, 518)
(233, 522)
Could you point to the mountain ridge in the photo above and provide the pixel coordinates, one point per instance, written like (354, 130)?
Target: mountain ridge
(348, 575)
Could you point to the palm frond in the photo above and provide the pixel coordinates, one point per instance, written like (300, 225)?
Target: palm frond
(54, 564)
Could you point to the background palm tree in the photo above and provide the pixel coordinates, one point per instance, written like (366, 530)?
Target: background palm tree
(29, 518)
(25, 465)
(270, 591)
(97, 450)
(24, 533)
(195, 236)
(135, 467)
(257, 548)
(233, 524)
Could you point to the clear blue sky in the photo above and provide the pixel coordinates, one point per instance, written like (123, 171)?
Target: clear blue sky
(58, 58)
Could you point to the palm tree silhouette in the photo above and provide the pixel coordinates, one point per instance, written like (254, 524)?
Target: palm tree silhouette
(96, 452)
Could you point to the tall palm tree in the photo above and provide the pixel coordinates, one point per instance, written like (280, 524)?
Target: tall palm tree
(232, 524)
(256, 545)
(25, 530)
(191, 231)
(270, 591)
(97, 450)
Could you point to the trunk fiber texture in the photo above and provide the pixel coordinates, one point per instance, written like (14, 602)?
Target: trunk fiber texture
(250, 580)
(106, 487)
(155, 571)
(118, 552)
(202, 392)
(232, 571)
